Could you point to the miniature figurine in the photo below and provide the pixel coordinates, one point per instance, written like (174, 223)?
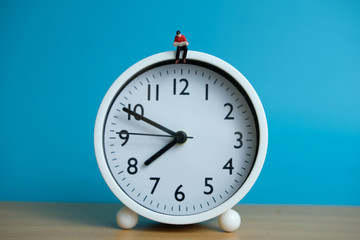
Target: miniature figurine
(181, 43)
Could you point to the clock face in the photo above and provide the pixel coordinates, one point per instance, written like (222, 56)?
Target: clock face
(189, 178)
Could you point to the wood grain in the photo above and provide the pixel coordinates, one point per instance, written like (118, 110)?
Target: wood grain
(29, 220)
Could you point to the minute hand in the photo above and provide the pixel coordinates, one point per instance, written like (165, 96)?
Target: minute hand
(138, 116)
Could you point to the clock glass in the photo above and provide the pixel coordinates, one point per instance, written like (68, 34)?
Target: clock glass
(219, 124)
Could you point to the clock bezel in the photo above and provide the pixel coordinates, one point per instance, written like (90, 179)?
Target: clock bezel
(159, 59)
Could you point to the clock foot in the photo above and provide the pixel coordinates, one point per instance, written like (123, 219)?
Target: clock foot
(230, 220)
(126, 218)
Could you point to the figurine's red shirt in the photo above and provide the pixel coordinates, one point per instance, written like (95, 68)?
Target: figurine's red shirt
(180, 39)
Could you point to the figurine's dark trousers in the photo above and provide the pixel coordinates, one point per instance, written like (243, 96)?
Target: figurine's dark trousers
(184, 48)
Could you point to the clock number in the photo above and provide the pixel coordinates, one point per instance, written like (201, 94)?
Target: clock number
(140, 111)
(207, 184)
(183, 92)
(239, 140)
(157, 179)
(228, 117)
(179, 196)
(229, 166)
(124, 135)
(156, 92)
(206, 92)
(132, 168)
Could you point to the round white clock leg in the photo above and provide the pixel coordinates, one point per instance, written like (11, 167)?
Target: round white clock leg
(230, 220)
(126, 218)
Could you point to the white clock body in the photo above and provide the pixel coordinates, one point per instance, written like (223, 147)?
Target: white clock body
(212, 171)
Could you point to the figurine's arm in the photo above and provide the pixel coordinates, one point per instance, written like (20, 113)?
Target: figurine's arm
(185, 40)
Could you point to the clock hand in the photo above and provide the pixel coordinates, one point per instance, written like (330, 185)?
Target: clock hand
(180, 137)
(149, 121)
(160, 152)
(144, 134)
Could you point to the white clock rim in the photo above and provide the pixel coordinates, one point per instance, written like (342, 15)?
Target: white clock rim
(172, 219)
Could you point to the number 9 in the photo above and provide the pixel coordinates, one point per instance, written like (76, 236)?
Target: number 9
(124, 135)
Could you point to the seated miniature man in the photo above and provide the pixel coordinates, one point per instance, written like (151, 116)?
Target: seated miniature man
(181, 43)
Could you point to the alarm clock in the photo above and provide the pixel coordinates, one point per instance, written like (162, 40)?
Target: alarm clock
(180, 143)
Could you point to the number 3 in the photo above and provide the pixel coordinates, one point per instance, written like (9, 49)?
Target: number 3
(239, 140)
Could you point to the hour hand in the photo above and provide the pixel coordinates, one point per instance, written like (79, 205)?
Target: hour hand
(160, 152)
(180, 137)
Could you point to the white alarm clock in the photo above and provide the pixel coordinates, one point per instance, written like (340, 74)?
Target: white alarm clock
(180, 143)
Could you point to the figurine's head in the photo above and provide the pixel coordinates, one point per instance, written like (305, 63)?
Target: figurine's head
(178, 33)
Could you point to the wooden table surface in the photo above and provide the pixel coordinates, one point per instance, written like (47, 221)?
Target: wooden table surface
(29, 220)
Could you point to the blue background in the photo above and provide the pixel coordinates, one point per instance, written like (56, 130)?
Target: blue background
(58, 58)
